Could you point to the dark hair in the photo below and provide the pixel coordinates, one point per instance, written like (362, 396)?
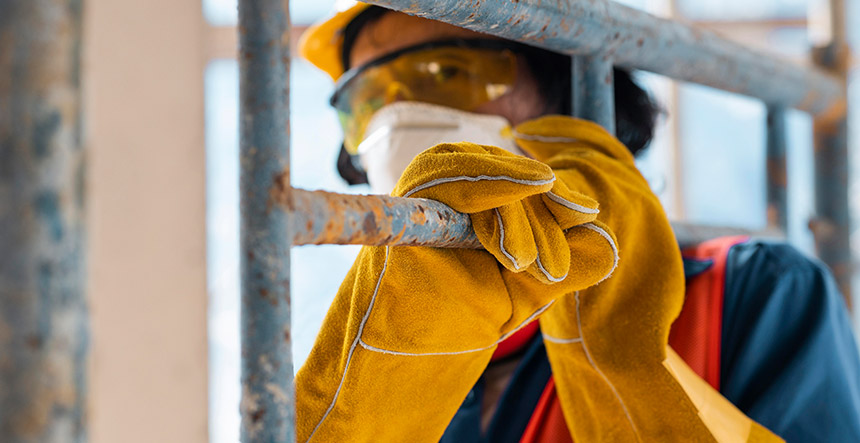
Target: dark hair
(635, 111)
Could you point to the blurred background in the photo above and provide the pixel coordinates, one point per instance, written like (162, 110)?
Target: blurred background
(161, 82)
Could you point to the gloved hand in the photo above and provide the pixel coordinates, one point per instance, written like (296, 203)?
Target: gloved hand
(506, 193)
(412, 329)
(607, 345)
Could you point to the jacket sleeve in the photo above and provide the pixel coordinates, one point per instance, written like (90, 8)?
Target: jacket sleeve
(789, 357)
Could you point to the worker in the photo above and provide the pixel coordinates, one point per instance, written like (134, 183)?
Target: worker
(559, 330)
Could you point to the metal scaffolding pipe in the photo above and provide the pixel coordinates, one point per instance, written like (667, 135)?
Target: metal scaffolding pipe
(688, 234)
(594, 90)
(43, 311)
(832, 224)
(268, 407)
(344, 219)
(777, 173)
(326, 218)
(637, 40)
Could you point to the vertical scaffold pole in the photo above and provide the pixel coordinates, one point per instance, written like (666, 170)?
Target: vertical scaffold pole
(593, 90)
(268, 407)
(43, 311)
(777, 175)
(832, 225)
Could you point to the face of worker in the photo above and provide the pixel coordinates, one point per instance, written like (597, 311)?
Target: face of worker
(394, 31)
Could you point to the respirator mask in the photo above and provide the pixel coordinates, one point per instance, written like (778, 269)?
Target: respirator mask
(397, 106)
(400, 131)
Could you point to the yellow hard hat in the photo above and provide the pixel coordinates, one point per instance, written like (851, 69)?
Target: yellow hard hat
(322, 43)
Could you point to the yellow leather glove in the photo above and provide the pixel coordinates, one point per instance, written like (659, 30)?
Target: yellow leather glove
(508, 194)
(412, 329)
(607, 345)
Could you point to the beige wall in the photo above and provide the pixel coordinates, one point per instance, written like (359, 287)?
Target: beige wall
(143, 76)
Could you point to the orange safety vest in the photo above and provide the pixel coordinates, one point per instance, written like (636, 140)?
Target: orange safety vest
(695, 336)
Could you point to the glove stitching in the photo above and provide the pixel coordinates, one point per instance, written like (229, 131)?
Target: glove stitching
(358, 340)
(604, 234)
(469, 351)
(415, 354)
(562, 341)
(571, 205)
(353, 346)
(594, 365)
(514, 260)
(526, 321)
(554, 197)
(444, 180)
(547, 274)
(502, 240)
(589, 226)
(545, 139)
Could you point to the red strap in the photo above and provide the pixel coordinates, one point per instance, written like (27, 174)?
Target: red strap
(697, 332)
(547, 424)
(516, 341)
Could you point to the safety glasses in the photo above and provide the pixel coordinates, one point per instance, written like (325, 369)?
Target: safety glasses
(461, 74)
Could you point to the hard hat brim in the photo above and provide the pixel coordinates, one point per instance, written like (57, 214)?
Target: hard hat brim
(322, 43)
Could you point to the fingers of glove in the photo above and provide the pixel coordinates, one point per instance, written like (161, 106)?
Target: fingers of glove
(593, 258)
(432, 300)
(553, 254)
(506, 233)
(547, 136)
(593, 253)
(569, 208)
(472, 178)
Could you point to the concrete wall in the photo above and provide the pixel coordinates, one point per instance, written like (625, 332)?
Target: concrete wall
(143, 79)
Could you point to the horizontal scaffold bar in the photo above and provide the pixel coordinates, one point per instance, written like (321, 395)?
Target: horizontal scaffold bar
(320, 217)
(637, 40)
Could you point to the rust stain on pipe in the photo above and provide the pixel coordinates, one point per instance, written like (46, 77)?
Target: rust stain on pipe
(328, 218)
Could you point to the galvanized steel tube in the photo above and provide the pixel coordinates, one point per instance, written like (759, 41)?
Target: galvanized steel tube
(594, 90)
(326, 218)
(832, 224)
(43, 311)
(637, 40)
(688, 234)
(268, 407)
(777, 174)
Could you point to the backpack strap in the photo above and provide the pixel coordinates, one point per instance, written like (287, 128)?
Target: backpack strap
(697, 332)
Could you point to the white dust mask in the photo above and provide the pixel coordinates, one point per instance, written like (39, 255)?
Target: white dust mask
(400, 131)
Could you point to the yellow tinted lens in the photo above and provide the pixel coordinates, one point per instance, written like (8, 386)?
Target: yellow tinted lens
(460, 78)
